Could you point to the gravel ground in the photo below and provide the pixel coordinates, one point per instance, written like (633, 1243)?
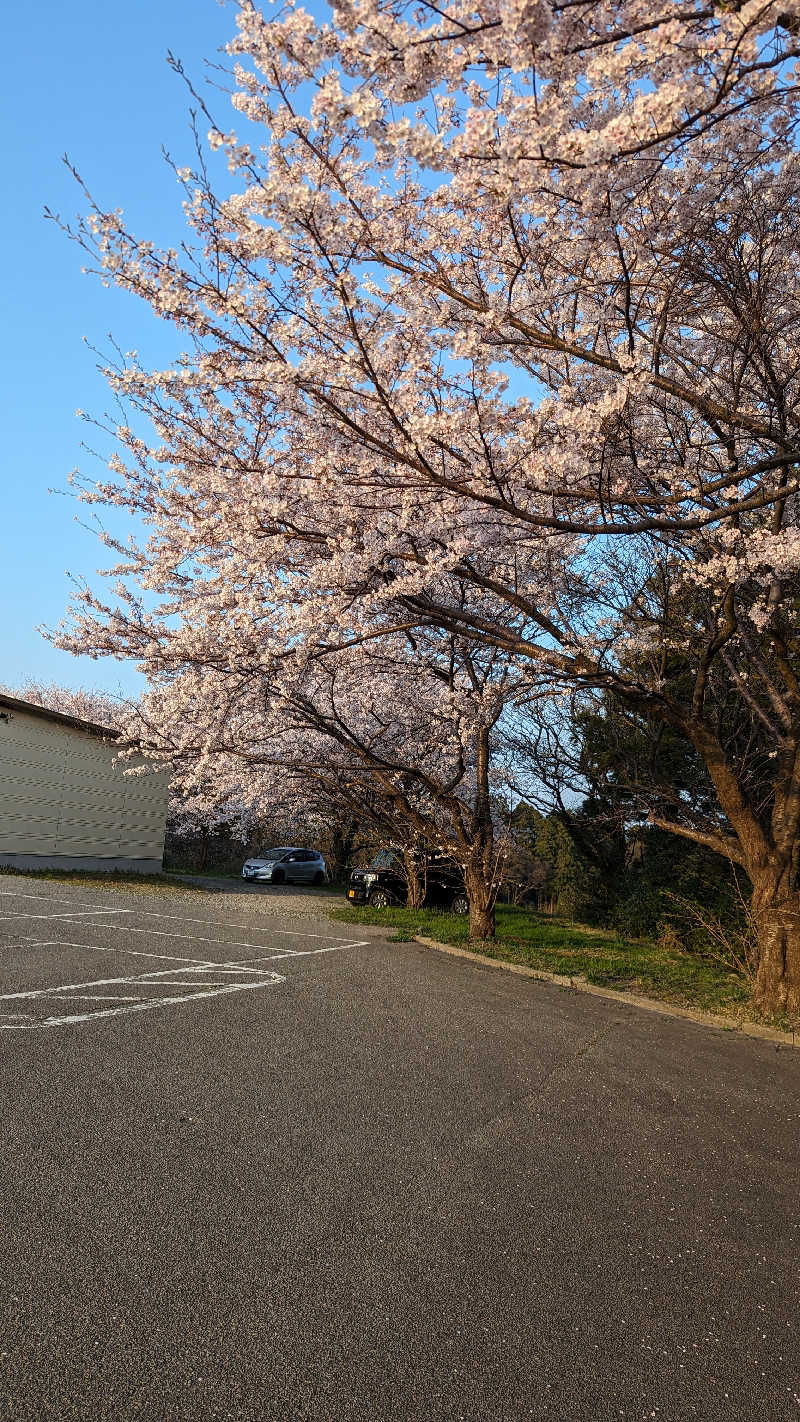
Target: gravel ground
(229, 895)
(286, 900)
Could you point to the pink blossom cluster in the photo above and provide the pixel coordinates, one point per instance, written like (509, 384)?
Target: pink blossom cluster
(496, 339)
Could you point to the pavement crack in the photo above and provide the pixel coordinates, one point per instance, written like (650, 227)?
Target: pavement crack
(497, 1125)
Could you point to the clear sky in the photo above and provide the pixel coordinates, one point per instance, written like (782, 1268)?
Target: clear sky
(89, 79)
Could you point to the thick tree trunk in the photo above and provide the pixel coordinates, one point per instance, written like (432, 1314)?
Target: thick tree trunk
(777, 922)
(481, 903)
(770, 860)
(480, 871)
(415, 880)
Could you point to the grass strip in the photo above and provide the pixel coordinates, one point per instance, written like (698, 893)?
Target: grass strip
(106, 878)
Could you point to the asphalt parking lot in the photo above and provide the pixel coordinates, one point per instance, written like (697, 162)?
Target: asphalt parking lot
(259, 1167)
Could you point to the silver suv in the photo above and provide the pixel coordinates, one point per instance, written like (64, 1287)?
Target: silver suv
(285, 865)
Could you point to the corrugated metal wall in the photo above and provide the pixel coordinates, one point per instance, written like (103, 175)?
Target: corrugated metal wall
(62, 795)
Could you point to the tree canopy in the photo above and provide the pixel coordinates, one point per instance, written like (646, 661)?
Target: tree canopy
(496, 335)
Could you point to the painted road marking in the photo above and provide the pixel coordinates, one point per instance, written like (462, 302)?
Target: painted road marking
(193, 986)
(51, 917)
(175, 917)
(194, 977)
(88, 997)
(248, 928)
(224, 943)
(305, 953)
(50, 898)
(139, 1006)
(188, 937)
(200, 978)
(143, 978)
(240, 963)
(96, 948)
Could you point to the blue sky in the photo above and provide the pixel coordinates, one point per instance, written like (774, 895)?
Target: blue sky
(89, 79)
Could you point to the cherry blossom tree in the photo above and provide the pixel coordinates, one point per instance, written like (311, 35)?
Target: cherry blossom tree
(398, 732)
(499, 298)
(84, 703)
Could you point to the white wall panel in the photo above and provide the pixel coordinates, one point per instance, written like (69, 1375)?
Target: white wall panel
(61, 793)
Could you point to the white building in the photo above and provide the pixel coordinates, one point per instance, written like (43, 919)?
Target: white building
(65, 804)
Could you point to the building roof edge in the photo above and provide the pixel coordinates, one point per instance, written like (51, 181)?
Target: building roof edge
(31, 708)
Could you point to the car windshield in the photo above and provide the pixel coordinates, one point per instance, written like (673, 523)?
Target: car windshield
(272, 853)
(384, 859)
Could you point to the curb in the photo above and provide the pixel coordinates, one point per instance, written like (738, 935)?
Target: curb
(647, 1004)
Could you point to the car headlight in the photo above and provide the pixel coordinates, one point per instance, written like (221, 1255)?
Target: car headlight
(370, 879)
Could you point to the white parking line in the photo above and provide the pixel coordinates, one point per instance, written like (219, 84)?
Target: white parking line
(175, 917)
(95, 948)
(143, 1006)
(151, 932)
(51, 898)
(91, 997)
(219, 923)
(240, 963)
(188, 979)
(143, 978)
(188, 937)
(303, 953)
(51, 917)
(196, 977)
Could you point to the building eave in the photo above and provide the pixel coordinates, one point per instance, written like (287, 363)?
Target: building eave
(13, 704)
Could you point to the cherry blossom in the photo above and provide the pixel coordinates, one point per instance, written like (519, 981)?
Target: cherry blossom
(83, 703)
(489, 331)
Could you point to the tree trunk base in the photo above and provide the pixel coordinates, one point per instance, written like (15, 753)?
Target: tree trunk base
(777, 986)
(481, 922)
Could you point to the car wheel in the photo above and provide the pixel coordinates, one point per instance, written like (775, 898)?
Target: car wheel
(319, 878)
(278, 877)
(459, 903)
(379, 899)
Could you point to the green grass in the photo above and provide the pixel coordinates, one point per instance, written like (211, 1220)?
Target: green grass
(203, 873)
(235, 876)
(627, 965)
(173, 879)
(108, 878)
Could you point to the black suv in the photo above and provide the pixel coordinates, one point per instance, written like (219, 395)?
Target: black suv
(383, 882)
